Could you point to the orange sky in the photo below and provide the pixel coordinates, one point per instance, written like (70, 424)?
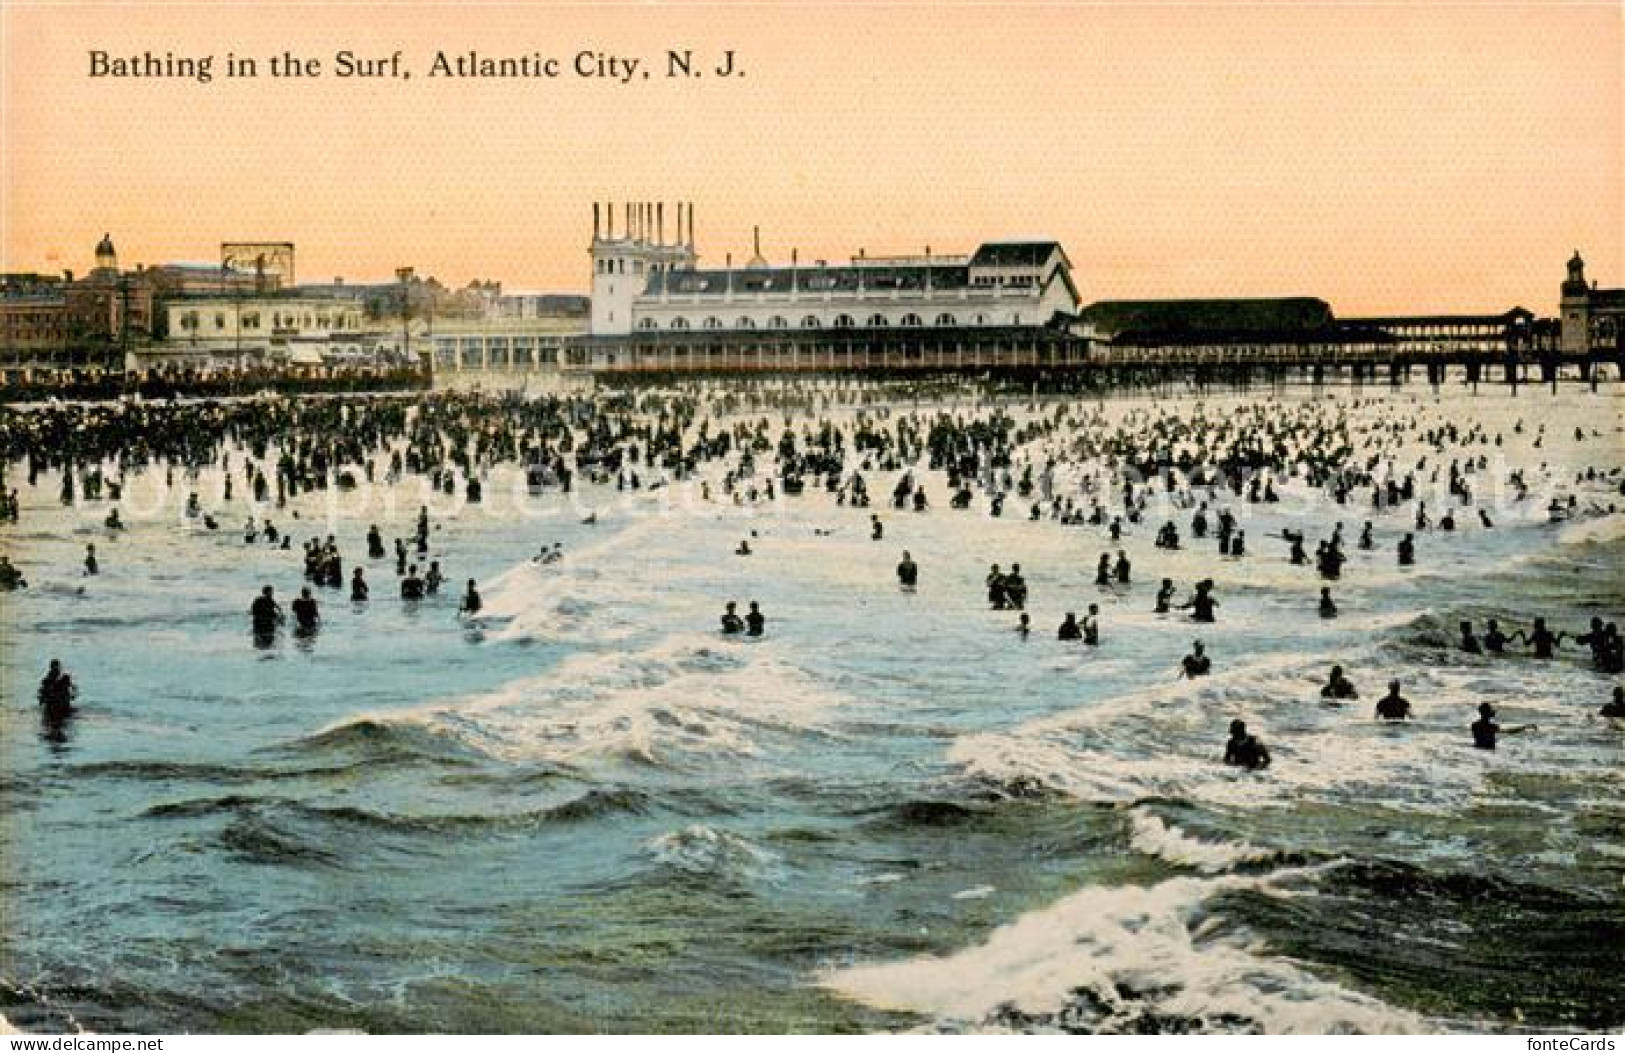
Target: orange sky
(1386, 157)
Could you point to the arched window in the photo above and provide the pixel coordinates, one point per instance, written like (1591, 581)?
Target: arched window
(778, 322)
(219, 320)
(877, 321)
(947, 319)
(843, 321)
(744, 323)
(811, 322)
(650, 323)
(912, 319)
(713, 322)
(679, 323)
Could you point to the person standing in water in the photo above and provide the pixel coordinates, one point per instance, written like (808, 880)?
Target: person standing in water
(11, 579)
(1338, 687)
(1244, 750)
(1165, 597)
(1393, 705)
(358, 587)
(1201, 604)
(1486, 731)
(305, 612)
(92, 568)
(57, 693)
(732, 623)
(755, 620)
(265, 612)
(1197, 663)
(908, 572)
(471, 600)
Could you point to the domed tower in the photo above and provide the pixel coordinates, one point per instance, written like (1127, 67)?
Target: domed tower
(106, 258)
(1576, 309)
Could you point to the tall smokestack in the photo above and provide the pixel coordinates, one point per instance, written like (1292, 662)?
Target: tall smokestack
(660, 222)
(595, 221)
(609, 218)
(691, 224)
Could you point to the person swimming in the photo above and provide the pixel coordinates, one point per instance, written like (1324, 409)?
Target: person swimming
(732, 623)
(471, 600)
(743, 549)
(1244, 750)
(1069, 630)
(1495, 641)
(358, 587)
(1091, 626)
(1615, 707)
(412, 585)
(1469, 642)
(755, 620)
(1024, 625)
(1407, 551)
(1393, 705)
(1338, 687)
(1197, 663)
(1328, 608)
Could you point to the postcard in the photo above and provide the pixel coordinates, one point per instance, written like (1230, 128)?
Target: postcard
(982, 518)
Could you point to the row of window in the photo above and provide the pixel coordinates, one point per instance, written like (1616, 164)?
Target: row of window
(191, 321)
(812, 321)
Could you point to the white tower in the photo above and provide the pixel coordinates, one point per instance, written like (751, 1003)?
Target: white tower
(625, 265)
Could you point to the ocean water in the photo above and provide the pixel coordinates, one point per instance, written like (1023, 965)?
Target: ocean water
(588, 811)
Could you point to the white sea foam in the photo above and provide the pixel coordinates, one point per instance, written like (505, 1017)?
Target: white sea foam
(686, 698)
(1152, 835)
(1134, 949)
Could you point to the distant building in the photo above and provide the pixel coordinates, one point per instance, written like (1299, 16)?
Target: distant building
(542, 305)
(1593, 319)
(33, 320)
(643, 284)
(212, 332)
(655, 308)
(1304, 323)
(498, 351)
